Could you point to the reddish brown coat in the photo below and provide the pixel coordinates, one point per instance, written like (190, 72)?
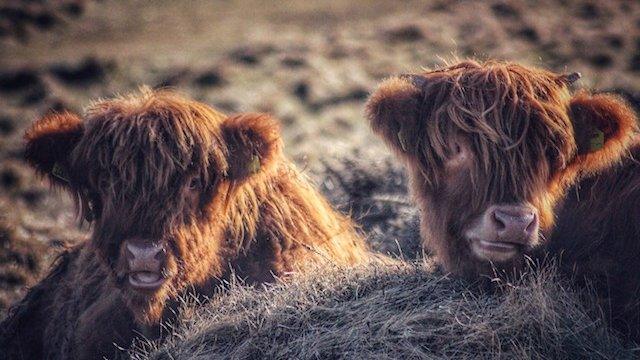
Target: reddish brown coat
(217, 192)
(479, 136)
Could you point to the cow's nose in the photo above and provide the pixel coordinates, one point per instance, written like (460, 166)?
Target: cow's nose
(515, 224)
(144, 255)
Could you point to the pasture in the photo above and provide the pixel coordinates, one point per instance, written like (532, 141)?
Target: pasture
(312, 66)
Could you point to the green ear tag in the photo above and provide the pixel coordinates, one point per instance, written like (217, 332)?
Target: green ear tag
(254, 164)
(59, 172)
(597, 140)
(403, 144)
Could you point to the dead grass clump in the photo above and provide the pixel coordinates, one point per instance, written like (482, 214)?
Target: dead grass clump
(21, 262)
(404, 311)
(374, 191)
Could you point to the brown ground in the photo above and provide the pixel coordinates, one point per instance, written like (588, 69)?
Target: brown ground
(311, 64)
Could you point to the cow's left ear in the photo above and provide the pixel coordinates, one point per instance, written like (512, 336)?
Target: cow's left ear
(253, 144)
(49, 142)
(393, 113)
(604, 126)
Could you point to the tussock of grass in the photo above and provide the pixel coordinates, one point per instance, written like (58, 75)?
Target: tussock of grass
(21, 262)
(401, 311)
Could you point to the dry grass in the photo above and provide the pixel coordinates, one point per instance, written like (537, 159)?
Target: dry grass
(21, 262)
(404, 311)
(311, 64)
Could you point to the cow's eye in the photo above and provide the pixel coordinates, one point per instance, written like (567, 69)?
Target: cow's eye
(457, 153)
(454, 150)
(457, 149)
(103, 182)
(195, 184)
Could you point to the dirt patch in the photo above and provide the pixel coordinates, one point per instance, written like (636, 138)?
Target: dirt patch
(88, 71)
(19, 20)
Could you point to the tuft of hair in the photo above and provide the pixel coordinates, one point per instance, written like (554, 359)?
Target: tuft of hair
(501, 104)
(513, 114)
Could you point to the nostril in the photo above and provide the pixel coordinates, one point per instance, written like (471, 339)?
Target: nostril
(498, 221)
(160, 254)
(515, 221)
(144, 254)
(533, 224)
(132, 249)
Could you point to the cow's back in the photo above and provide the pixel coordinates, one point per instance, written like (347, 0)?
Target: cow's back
(22, 331)
(67, 311)
(88, 314)
(597, 238)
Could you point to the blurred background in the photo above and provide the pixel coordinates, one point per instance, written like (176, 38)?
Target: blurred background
(311, 64)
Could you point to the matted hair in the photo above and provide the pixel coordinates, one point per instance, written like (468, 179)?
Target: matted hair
(512, 116)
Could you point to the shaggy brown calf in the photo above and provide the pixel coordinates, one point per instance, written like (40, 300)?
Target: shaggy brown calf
(180, 197)
(492, 149)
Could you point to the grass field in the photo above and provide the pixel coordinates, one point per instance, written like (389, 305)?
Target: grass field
(312, 65)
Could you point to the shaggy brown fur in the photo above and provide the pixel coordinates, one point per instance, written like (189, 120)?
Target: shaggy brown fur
(598, 238)
(215, 191)
(473, 135)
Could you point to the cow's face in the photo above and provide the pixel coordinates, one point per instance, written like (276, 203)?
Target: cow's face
(154, 173)
(491, 149)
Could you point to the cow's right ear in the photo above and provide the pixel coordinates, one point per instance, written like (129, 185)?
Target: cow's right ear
(604, 126)
(393, 112)
(254, 145)
(49, 142)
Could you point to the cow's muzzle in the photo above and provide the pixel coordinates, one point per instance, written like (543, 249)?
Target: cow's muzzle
(503, 231)
(145, 260)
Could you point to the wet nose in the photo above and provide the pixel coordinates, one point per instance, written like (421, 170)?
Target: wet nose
(515, 224)
(144, 255)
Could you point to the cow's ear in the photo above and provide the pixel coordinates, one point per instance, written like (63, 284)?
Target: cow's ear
(604, 126)
(49, 142)
(253, 144)
(393, 112)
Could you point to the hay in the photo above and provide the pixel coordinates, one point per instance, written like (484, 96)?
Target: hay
(403, 311)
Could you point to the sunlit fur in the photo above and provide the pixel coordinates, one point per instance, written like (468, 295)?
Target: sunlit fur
(526, 134)
(132, 163)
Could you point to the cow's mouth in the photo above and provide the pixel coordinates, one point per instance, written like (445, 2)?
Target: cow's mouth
(495, 250)
(146, 280)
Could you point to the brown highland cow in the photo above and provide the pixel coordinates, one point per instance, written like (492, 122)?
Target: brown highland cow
(492, 150)
(180, 197)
